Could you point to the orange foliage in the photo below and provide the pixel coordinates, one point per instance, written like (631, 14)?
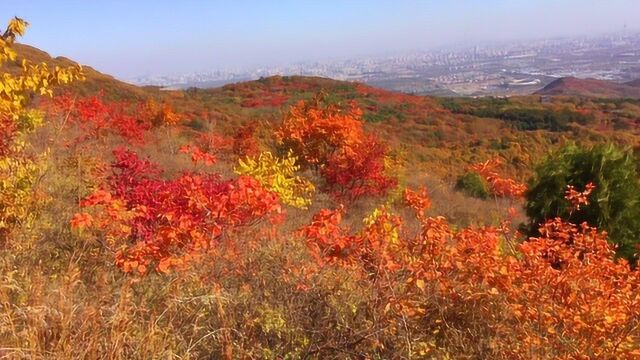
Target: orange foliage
(372, 247)
(158, 114)
(562, 295)
(576, 198)
(333, 141)
(571, 297)
(499, 186)
(315, 132)
(417, 200)
(198, 155)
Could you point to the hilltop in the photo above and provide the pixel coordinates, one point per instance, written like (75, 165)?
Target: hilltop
(571, 86)
(95, 80)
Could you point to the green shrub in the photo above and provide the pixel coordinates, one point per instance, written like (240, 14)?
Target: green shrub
(473, 185)
(614, 204)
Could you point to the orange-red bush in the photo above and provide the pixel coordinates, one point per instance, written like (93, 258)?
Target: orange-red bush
(562, 295)
(356, 171)
(151, 222)
(315, 132)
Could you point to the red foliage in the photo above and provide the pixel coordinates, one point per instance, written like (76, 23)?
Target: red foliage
(97, 118)
(164, 223)
(359, 170)
(7, 134)
(244, 141)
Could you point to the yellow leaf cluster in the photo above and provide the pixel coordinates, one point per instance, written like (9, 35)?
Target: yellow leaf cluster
(279, 175)
(17, 177)
(18, 170)
(16, 90)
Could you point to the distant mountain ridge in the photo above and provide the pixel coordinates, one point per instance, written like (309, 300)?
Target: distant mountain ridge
(112, 87)
(571, 86)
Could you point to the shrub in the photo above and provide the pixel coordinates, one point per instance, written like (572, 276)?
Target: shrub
(280, 176)
(331, 140)
(19, 169)
(152, 222)
(615, 202)
(473, 184)
(315, 130)
(359, 171)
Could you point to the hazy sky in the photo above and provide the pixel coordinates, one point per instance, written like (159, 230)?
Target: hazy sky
(137, 37)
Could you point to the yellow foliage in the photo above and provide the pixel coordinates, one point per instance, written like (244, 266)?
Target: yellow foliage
(15, 90)
(17, 177)
(279, 175)
(18, 171)
(395, 167)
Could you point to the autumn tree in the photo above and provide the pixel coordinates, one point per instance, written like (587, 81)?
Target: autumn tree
(18, 169)
(356, 171)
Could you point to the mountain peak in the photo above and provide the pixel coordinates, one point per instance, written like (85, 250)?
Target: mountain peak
(572, 86)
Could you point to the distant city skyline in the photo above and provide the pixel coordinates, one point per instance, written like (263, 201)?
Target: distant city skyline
(129, 39)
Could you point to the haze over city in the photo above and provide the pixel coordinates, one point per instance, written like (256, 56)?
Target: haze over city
(131, 39)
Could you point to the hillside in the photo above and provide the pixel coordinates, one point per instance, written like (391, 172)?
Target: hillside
(309, 218)
(441, 136)
(570, 86)
(95, 80)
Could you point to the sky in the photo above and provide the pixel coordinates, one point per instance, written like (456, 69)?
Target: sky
(153, 37)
